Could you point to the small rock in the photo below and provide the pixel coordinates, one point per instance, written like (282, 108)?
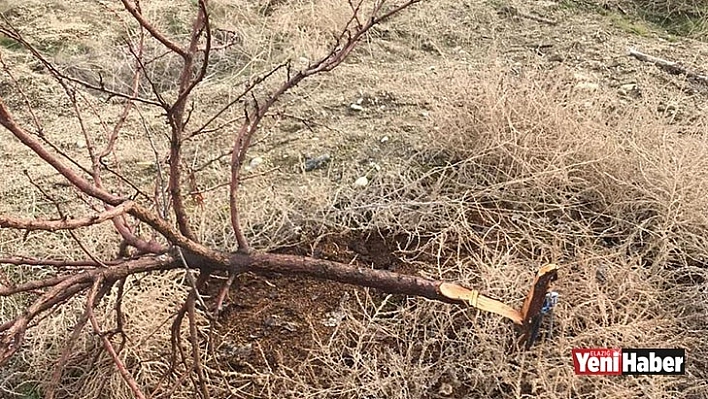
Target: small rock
(587, 86)
(273, 321)
(291, 326)
(333, 319)
(425, 114)
(356, 107)
(361, 182)
(149, 165)
(668, 108)
(384, 139)
(255, 162)
(429, 47)
(243, 351)
(80, 144)
(317, 162)
(629, 89)
(445, 389)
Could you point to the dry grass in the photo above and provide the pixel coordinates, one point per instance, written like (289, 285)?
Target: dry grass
(496, 163)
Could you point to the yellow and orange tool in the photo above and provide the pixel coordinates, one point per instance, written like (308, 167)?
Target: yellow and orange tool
(530, 315)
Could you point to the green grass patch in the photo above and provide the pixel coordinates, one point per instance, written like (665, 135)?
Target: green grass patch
(10, 44)
(29, 391)
(636, 27)
(681, 24)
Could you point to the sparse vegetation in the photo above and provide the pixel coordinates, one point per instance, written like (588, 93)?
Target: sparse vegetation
(511, 145)
(684, 18)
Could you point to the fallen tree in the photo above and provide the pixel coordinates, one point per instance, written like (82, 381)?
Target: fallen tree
(172, 244)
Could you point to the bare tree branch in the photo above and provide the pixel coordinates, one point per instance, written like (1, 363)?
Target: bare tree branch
(172, 244)
(134, 87)
(62, 78)
(177, 118)
(98, 290)
(64, 224)
(134, 9)
(7, 121)
(32, 286)
(671, 67)
(243, 138)
(12, 332)
(66, 353)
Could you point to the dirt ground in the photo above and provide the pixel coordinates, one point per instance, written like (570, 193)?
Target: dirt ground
(495, 136)
(279, 315)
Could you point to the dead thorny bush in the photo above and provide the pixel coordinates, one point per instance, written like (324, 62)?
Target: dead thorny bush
(519, 179)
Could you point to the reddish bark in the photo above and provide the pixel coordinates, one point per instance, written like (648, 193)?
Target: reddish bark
(177, 245)
(65, 224)
(383, 280)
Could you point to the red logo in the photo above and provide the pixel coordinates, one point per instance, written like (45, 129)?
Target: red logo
(597, 361)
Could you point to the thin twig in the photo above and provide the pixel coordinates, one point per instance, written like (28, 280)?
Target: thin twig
(134, 87)
(134, 10)
(64, 223)
(64, 217)
(177, 118)
(336, 56)
(671, 67)
(61, 77)
(95, 294)
(25, 99)
(223, 292)
(66, 353)
(508, 10)
(196, 357)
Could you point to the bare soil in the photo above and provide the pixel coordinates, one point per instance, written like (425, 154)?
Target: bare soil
(270, 321)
